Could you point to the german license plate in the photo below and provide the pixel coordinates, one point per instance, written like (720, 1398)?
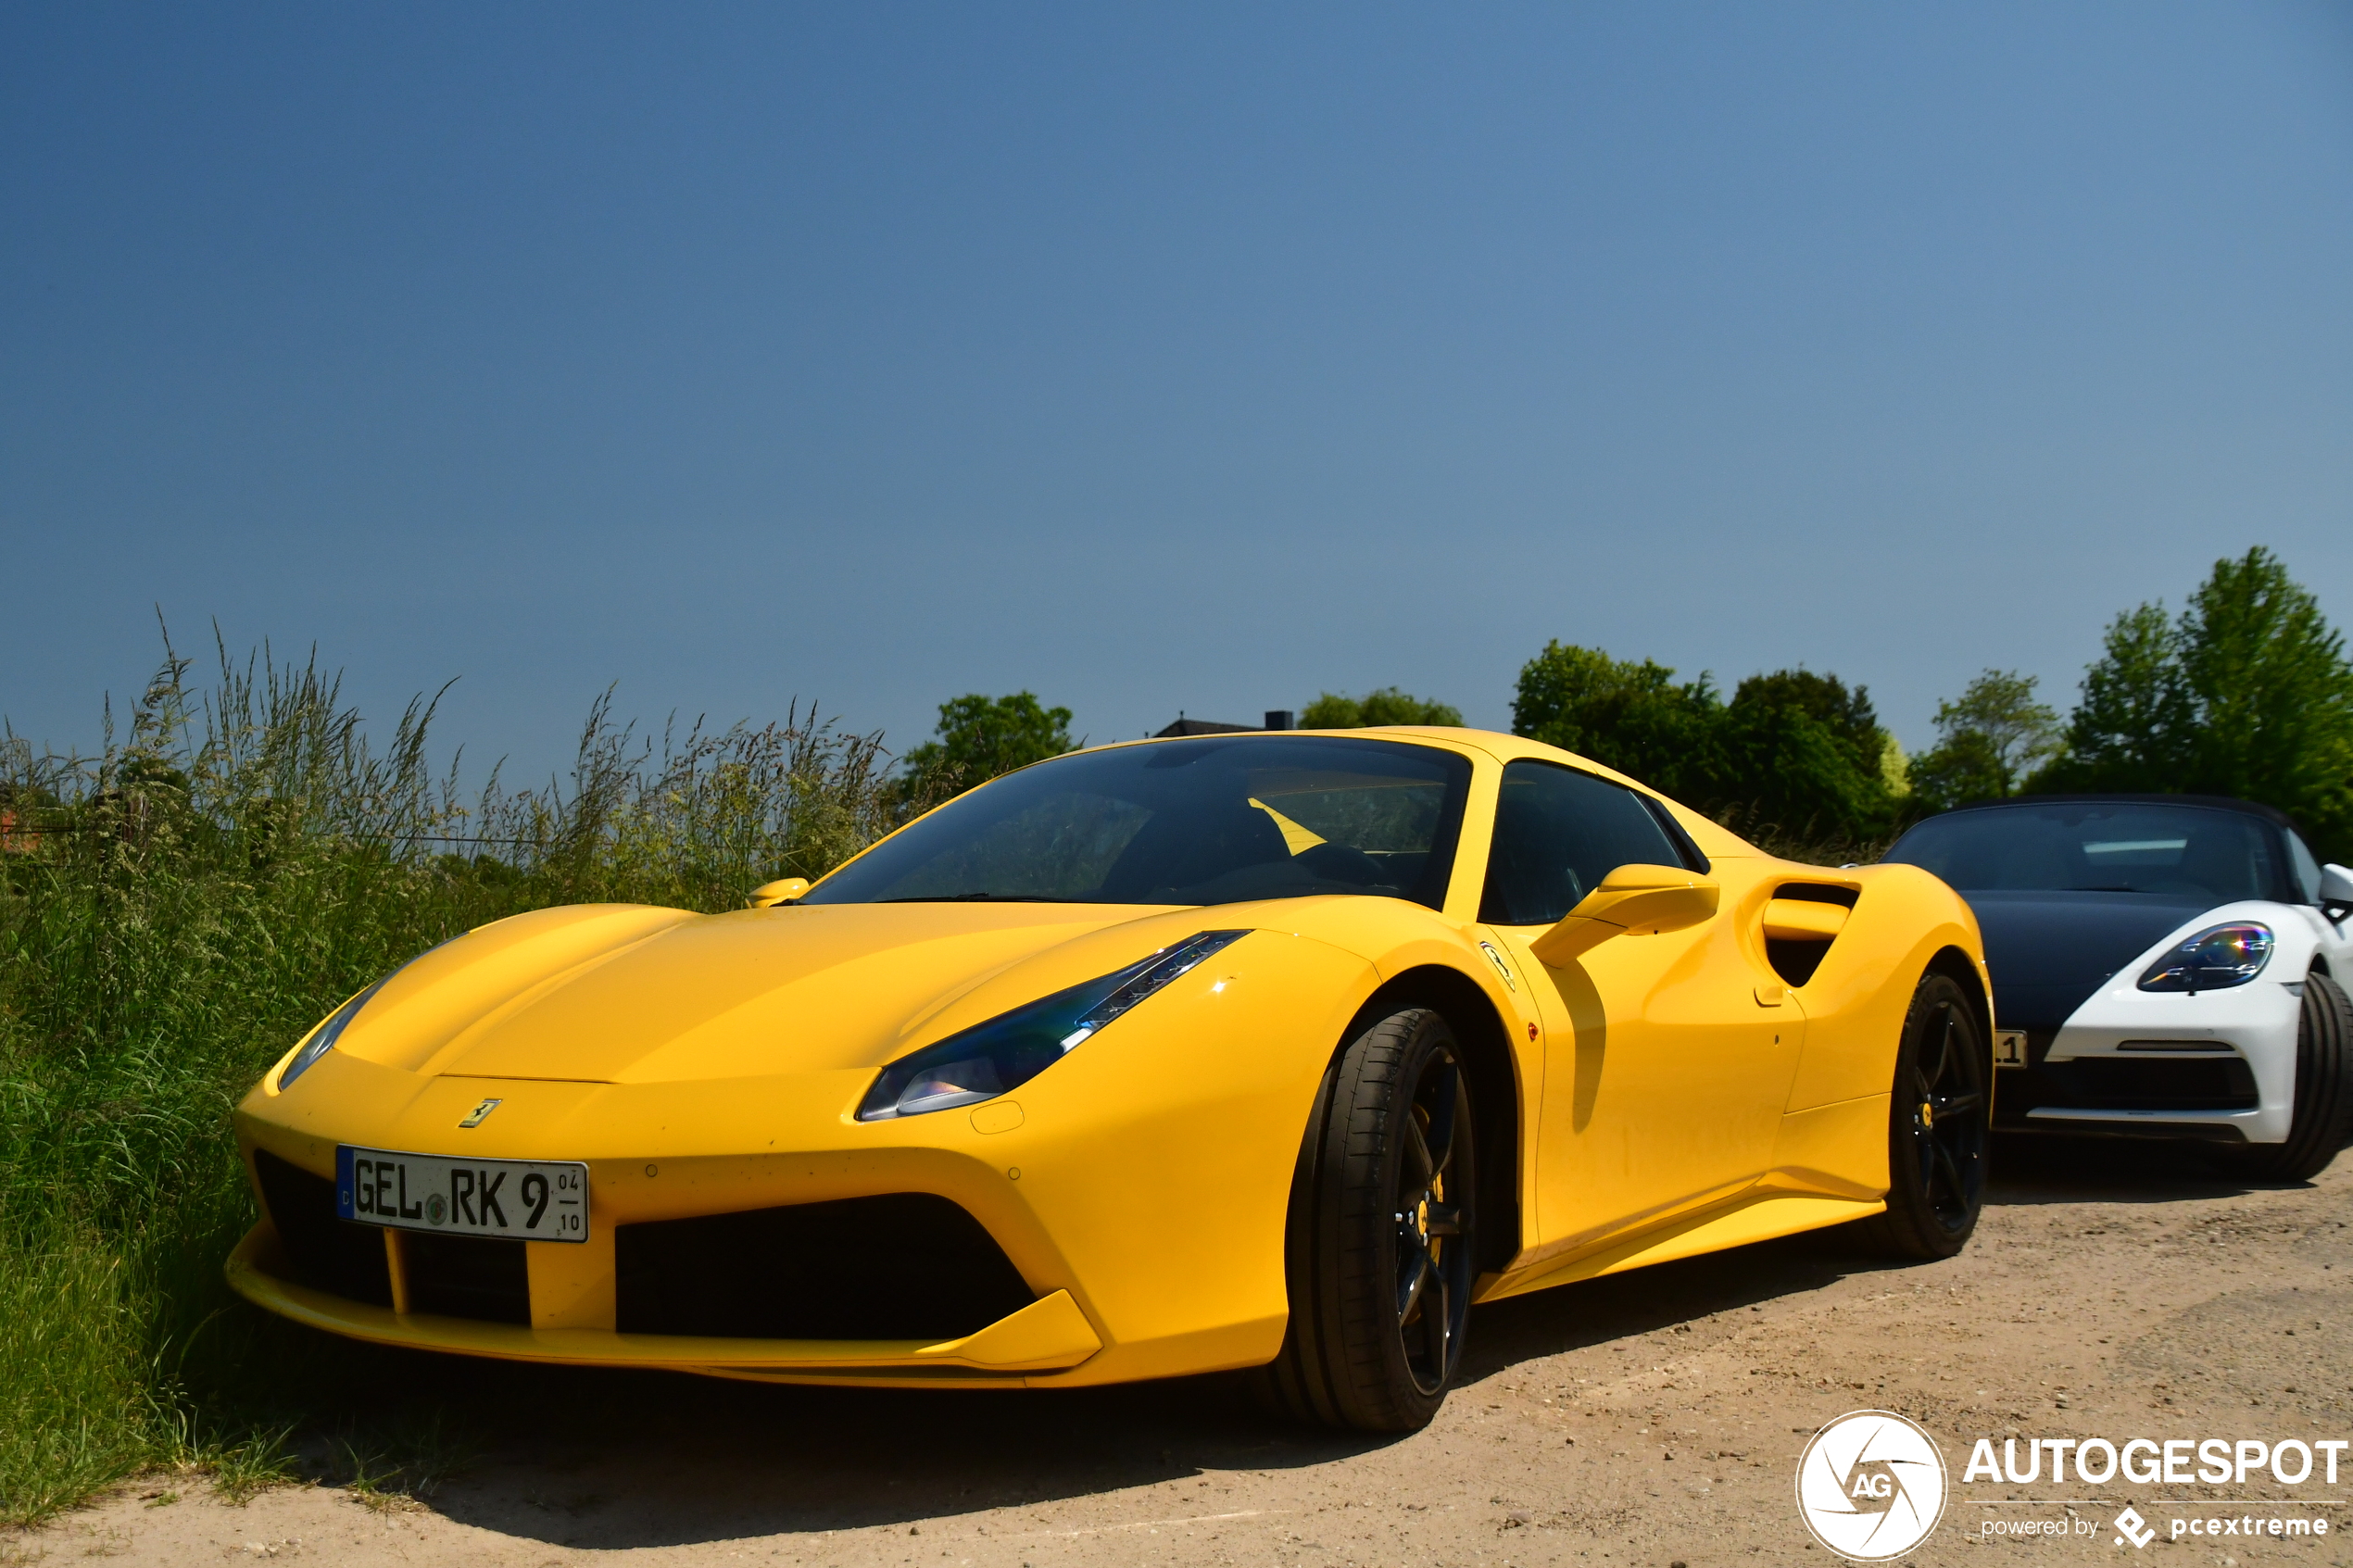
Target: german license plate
(523, 1199)
(2010, 1047)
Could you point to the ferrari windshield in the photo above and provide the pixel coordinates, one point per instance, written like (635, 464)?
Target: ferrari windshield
(2100, 846)
(1213, 820)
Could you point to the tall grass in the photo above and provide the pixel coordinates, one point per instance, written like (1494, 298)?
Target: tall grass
(176, 909)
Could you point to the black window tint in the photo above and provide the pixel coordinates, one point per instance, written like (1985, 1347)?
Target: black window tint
(1557, 833)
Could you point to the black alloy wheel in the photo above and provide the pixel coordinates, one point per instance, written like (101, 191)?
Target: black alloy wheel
(1939, 1126)
(1381, 1249)
(1433, 1265)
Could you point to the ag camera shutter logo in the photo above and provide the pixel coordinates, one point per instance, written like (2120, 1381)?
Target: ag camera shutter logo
(1870, 1486)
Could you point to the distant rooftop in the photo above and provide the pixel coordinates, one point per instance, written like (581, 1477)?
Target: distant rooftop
(1277, 719)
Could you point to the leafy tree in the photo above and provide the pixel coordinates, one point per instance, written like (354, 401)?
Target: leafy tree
(1895, 768)
(1987, 742)
(1804, 754)
(1962, 768)
(980, 737)
(2133, 729)
(2247, 692)
(1386, 706)
(1846, 716)
(1633, 716)
(1793, 752)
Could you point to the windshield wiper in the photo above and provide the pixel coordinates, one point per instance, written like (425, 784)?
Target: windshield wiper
(978, 898)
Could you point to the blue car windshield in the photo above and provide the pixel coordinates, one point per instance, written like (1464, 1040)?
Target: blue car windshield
(2101, 847)
(1212, 819)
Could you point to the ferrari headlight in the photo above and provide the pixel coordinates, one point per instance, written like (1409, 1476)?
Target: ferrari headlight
(2219, 956)
(329, 1032)
(323, 1041)
(990, 1059)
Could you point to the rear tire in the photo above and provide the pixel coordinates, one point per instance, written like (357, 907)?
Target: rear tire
(1938, 1126)
(2323, 1108)
(1382, 1237)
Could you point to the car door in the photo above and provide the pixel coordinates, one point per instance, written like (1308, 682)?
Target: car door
(1666, 1056)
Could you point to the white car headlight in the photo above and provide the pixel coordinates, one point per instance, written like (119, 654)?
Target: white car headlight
(2216, 958)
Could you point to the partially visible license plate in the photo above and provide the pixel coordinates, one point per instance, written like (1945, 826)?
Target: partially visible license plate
(2010, 1047)
(524, 1199)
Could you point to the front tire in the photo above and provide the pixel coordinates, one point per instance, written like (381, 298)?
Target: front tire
(1937, 1127)
(2324, 1107)
(1379, 1257)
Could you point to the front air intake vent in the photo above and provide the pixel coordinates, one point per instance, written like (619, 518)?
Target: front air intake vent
(2101, 1083)
(328, 1254)
(900, 1266)
(466, 1276)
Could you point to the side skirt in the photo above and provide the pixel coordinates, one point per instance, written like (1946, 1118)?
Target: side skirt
(1758, 1214)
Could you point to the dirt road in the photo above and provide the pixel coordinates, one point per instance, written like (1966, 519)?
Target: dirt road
(1652, 1419)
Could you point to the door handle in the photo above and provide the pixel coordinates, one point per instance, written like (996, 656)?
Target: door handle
(1772, 995)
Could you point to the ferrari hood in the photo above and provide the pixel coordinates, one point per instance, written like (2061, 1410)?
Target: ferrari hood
(626, 994)
(2049, 951)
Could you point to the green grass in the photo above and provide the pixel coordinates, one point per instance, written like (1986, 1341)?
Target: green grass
(177, 910)
(74, 1410)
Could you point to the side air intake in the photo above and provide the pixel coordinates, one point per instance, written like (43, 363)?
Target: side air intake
(900, 1266)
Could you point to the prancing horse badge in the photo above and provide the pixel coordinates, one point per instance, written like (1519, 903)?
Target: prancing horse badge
(481, 1113)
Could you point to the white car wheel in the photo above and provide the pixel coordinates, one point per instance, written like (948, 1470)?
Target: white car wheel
(2324, 1107)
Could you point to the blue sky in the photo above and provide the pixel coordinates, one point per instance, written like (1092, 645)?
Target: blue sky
(1151, 359)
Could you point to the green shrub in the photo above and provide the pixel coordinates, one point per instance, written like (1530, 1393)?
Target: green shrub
(1385, 704)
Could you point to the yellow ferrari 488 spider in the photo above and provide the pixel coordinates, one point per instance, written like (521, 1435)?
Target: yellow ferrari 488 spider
(1260, 1050)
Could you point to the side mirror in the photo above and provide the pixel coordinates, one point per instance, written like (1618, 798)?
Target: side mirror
(1632, 898)
(2336, 892)
(771, 892)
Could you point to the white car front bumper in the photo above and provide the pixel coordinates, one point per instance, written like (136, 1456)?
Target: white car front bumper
(2214, 1064)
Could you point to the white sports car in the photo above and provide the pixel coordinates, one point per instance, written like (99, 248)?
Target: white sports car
(2164, 966)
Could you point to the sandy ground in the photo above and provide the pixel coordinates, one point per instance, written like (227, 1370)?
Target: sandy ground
(1652, 1419)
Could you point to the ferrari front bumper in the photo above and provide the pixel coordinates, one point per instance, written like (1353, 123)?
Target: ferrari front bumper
(1049, 1335)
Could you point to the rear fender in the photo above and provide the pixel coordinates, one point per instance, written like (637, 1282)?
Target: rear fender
(1904, 922)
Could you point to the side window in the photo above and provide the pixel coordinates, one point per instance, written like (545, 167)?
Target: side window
(1557, 833)
(2306, 867)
